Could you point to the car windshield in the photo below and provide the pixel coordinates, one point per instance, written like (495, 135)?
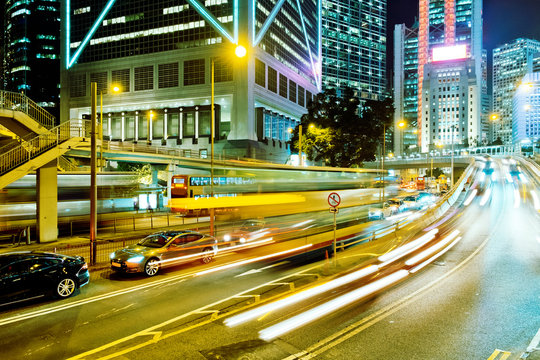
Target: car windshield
(155, 241)
(409, 198)
(393, 202)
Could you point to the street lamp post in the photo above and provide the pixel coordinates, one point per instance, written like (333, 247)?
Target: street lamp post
(93, 173)
(212, 130)
(240, 52)
(382, 162)
(300, 161)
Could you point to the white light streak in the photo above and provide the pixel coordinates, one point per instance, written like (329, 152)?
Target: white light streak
(485, 197)
(243, 262)
(523, 178)
(407, 248)
(434, 257)
(306, 294)
(470, 198)
(535, 200)
(299, 320)
(302, 223)
(509, 178)
(424, 254)
(517, 199)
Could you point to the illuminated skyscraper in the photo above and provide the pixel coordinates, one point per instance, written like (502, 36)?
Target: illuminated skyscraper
(405, 87)
(510, 64)
(354, 46)
(31, 50)
(160, 54)
(526, 111)
(449, 42)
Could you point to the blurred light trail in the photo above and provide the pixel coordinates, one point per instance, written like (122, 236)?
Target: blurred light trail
(304, 318)
(407, 248)
(433, 249)
(485, 197)
(509, 178)
(445, 219)
(517, 199)
(306, 294)
(482, 177)
(523, 178)
(535, 200)
(470, 198)
(248, 244)
(244, 262)
(302, 223)
(433, 258)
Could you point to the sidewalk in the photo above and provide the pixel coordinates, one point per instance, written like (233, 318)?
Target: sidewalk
(107, 241)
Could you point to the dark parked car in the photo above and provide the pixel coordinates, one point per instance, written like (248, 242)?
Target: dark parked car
(163, 249)
(28, 275)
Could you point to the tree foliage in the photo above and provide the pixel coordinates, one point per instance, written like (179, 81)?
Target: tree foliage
(340, 132)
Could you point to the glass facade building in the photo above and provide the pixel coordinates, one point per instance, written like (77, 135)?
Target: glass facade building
(31, 50)
(510, 64)
(526, 111)
(161, 55)
(405, 87)
(354, 46)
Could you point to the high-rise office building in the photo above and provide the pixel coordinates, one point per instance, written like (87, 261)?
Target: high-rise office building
(526, 111)
(354, 46)
(31, 50)
(405, 87)
(510, 64)
(161, 54)
(449, 43)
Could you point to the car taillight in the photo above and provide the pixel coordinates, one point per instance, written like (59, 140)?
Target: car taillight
(84, 267)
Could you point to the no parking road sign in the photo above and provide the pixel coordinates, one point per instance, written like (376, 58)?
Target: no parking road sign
(334, 199)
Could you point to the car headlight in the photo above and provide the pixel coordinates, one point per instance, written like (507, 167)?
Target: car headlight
(136, 259)
(227, 237)
(111, 256)
(242, 240)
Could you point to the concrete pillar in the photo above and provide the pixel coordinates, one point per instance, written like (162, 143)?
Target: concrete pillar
(47, 203)
(243, 114)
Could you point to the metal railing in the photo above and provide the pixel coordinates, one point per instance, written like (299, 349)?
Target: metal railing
(42, 143)
(20, 102)
(64, 165)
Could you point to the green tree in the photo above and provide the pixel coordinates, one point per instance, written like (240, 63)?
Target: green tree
(437, 172)
(498, 141)
(340, 132)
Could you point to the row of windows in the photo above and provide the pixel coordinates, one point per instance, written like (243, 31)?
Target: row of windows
(144, 77)
(287, 88)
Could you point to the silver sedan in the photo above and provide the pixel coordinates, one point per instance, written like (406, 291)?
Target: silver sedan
(164, 249)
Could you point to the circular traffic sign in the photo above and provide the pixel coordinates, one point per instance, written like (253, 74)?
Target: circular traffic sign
(334, 199)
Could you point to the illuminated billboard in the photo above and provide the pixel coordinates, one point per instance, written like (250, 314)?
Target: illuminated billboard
(445, 53)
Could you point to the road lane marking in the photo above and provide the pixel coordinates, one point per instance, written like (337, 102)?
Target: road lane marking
(208, 309)
(497, 352)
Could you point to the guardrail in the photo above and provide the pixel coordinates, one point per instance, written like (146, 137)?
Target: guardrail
(428, 218)
(30, 149)
(20, 102)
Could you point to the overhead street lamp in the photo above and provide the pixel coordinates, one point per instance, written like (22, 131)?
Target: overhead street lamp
(115, 89)
(240, 51)
(401, 125)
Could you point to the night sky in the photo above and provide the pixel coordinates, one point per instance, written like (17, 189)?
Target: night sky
(504, 21)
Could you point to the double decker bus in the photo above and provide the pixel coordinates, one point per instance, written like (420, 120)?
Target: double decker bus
(196, 186)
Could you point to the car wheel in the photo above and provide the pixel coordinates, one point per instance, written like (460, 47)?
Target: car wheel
(65, 288)
(207, 255)
(151, 267)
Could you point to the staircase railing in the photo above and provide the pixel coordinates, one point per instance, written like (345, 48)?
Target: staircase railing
(42, 143)
(20, 102)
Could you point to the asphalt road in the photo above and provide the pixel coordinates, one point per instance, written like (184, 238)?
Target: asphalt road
(480, 300)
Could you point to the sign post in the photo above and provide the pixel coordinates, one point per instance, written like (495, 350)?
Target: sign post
(334, 200)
